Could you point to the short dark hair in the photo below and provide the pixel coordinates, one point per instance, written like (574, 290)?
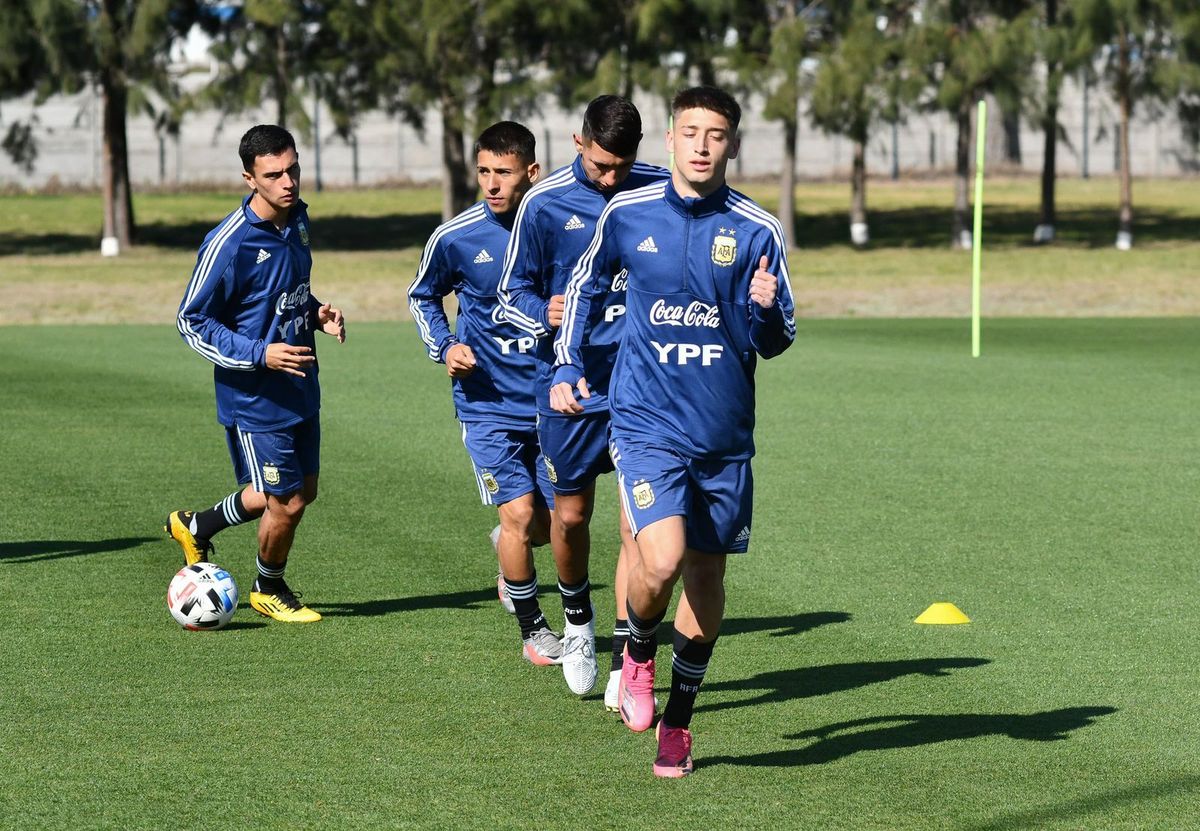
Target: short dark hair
(709, 98)
(508, 137)
(613, 123)
(264, 140)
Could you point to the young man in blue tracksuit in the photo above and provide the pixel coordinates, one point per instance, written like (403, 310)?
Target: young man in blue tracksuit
(249, 309)
(707, 293)
(553, 227)
(492, 369)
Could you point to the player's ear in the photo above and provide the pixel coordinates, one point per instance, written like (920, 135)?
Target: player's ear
(534, 171)
(249, 180)
(578, 142)
(734, 147)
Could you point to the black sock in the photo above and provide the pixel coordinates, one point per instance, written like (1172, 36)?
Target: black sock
(226, 513)
(643, 635)
(270, 576)
(577, 601)
(620, 635)
(688, 666)
(524, 595)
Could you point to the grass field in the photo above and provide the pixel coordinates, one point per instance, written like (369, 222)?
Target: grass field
(1048, 488)
(367, 244)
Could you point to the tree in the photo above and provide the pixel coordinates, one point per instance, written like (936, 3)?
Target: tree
(118, 46)
(1148, 51)
(862, 80)
(967, 48)
(267, 51)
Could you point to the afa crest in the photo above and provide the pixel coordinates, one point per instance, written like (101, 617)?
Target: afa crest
(643, 494)
(271, 474)
(551, 473)
(724, 250)
(303, 232)
(489, 482)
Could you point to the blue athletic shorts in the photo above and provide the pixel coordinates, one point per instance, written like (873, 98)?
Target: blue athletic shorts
(575, 450)
(276, 462)
(506, 463)
(714, 498)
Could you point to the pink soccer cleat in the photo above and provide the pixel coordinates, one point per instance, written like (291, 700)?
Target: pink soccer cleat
(674, 752)
(636, 693)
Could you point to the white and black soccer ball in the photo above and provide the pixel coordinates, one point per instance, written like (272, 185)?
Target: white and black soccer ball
(202, 596)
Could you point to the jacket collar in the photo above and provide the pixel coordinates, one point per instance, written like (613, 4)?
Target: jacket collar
(694, 206)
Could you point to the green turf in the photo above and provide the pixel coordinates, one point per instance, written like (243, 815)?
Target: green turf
(1048, 488)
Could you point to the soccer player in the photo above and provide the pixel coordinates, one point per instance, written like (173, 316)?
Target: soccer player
(491, 364)
(702, 303)
(554, 225)
(249, 310)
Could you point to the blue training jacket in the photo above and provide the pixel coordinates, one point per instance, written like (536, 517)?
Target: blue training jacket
(250, 288)
(464, 256)
(684, 374)
(553, 228)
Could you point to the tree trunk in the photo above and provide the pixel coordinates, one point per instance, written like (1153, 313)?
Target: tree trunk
(1045, 229)
(118, 198)
(859, 232)
(962, 170)
(787, 183)
(1125, 102)
(281, 76)
(458, 189)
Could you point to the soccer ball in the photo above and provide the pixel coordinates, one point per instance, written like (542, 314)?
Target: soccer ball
(202, 596)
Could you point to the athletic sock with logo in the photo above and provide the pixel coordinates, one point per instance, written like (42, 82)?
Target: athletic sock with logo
(524, 595)
(620, 636)
(688, 666)
(228, 512)
(270, 576)
(643, 634)
(577, 601)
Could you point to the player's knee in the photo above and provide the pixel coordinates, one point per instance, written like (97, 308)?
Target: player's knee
(517, 518)
(290, 508)
(571, 517)
(660, 574)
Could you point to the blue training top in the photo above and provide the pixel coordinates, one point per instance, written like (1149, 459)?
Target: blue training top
(684, 374)
(464, 257)
(553, 227)
(250, 288)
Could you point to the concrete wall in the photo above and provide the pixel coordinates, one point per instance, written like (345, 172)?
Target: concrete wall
(69, 140)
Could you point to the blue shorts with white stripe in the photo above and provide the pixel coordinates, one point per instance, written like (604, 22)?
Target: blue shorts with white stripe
(276, 462)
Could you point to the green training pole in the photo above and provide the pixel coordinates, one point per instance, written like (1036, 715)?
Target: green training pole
(977, 241)
(671, 152)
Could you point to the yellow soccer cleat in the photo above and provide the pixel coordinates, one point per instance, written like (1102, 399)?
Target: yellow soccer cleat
(177, 528)
(283, 605)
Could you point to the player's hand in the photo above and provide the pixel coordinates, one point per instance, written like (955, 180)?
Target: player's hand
(568, 379)
(332, 322)
(460, 361)
(283, 357)
(763, 285)
(554, 313)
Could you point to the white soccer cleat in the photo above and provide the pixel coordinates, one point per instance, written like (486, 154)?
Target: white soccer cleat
(611, 702)
(579, 657)
(501, 589)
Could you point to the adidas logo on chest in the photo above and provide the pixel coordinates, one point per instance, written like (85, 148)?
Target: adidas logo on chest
(648, 246)
(483, 257)
(263, 256)
(574, 224)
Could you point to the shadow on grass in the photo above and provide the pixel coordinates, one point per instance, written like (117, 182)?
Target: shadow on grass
(1100, 803)
(926, 226)
(807, 682)
(243, 624)
(842, 739)
(34, 551)
(467, 600)
(1004, 227)
(330, 233)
